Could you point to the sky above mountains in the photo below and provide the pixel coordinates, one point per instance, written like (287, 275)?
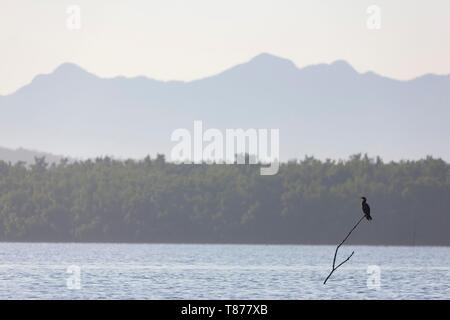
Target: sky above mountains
(186, 40)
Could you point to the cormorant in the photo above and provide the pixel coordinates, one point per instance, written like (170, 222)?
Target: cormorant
(366, 208)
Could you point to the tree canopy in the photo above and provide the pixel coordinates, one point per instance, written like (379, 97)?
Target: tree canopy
(151, 200)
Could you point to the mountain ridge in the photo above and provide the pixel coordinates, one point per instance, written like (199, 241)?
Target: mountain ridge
(23, 155)
(325, 110)
(74, 67)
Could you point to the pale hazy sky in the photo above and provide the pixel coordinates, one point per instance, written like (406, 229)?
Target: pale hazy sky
(189, 39)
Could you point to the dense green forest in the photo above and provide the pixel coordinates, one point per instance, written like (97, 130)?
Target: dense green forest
(308, 201)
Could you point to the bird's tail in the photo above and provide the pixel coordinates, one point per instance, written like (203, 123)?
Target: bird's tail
(368, 217)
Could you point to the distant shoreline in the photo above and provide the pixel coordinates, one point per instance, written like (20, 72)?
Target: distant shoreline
(226, 244)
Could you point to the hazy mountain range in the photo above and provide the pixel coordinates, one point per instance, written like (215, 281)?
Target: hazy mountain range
(325, 110)
(27, 156)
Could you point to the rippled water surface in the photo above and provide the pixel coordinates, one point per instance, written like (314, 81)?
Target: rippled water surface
(161, 271)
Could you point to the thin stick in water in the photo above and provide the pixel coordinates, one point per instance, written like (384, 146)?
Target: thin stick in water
(334, 268)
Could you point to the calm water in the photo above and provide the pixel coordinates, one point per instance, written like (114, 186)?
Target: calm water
(159, 271)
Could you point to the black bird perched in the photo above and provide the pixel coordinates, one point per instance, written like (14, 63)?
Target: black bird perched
(366, 208)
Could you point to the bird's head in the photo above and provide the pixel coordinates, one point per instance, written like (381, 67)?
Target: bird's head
(364, 198)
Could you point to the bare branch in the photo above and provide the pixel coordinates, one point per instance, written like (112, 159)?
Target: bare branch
(334, 268)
